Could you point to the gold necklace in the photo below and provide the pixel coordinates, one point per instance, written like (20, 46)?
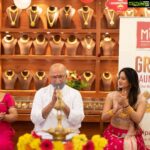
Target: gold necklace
(129, 12)
(88, 75)
(10, 11)
(107, 75)
(111, 15)
(8, 41)
(25, 74)
(40, 75)
(67, 11)
(88, 44)
(40, 42)
(71, 42)
(57, 41)
(85, 19)
(54, 17)
(33, 20)
(24, 40)
(9, 74)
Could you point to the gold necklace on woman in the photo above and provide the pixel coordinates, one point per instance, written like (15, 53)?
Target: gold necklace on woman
(9, 74)
(52, 16)
(111, 15)
(25, 74)
(11, 11)
(40, 75)
(33, 20)
(85, 18)
(88, 75)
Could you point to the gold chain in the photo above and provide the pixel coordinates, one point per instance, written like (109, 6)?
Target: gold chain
(67, 11)
(111, 15)
(33, 20)
(9, 74)
(54, 17)
(10, 11)
(40, 75)
(88, 44)
(88, 75)
(25, 74)
(85, 19)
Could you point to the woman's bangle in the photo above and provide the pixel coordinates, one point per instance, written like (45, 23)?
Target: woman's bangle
(128, 110)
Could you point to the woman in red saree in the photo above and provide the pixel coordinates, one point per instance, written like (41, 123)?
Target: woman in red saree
(125, 109)
(8, 114)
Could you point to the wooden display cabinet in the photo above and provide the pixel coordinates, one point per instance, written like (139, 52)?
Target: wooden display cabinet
(96, 63)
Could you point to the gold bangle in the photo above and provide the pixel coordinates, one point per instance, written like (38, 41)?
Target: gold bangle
(128, 110)
(110, 112)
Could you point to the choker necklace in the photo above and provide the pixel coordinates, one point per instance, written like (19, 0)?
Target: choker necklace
(24, 40)
(52, 16)
(71, 42)
(13, 20)
(40, 42)
(40, 75)
(33, 19)
(107, 76)
(129, 12)
(25, 74)
(56, 42)
(111, 15)
(85, 19)
(88, 44)
(107, 39)
(67, 11)
(8, 41)
(88, 75)
(9, 74)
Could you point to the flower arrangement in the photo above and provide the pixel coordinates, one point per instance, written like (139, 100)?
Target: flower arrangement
(75, 81)
(78, 142)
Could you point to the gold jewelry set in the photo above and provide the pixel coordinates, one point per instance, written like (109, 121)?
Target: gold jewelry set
(25, 74)
(10, 13)
(33, 15)
(9, 74)
(85, 15)
(40, 75)
(52, 16)
(88, 75)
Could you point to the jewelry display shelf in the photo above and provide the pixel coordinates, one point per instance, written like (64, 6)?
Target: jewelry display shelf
(97, 63)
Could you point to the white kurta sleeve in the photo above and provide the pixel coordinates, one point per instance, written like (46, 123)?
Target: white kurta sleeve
(36, 112)
(76, 112)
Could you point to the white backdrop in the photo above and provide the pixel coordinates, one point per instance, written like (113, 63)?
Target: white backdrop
(134, 51)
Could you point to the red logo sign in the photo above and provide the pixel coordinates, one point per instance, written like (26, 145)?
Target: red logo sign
(143, 34)
(117, 5)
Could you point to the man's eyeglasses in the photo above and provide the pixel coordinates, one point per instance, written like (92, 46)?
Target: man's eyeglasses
(57, 76)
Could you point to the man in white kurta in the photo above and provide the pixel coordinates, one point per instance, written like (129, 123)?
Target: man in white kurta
(44, 115)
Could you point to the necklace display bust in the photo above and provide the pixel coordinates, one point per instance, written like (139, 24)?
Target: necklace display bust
(107, 44)
(66, 14)
(25, 78)
(52, 14)
(13, 14)
(9, 78)
(88, 45)
(72, 44)
(9, 44)
(106, 81)
(112, 18)
(34, 15)
(56, 45)
(86, 14)
(40, 79)
(40, 44)
(24, 43)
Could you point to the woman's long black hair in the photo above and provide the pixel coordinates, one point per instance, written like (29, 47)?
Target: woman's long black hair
(133, 80)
